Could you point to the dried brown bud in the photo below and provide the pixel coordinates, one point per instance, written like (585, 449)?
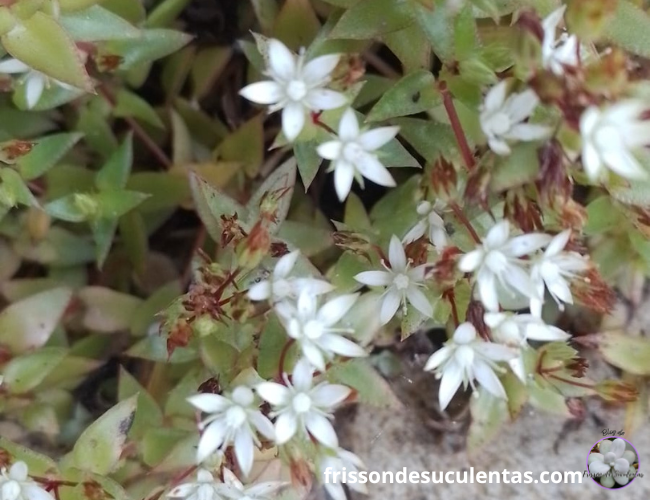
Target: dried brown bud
(578, 367)
(210, 386)
(93, 491)
(529, 21)
(475, 313)
(10, 151)
(445, 270)
(615, 391)
(593, 292)
(523, 211)
(179, 336)
(278, 249)
(231, 230)
(577, 408)
(478, 186)
(353, 242)
(443, 179)
(553, 181)
(255, 247)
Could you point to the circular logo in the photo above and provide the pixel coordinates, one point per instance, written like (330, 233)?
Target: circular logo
(613, 463)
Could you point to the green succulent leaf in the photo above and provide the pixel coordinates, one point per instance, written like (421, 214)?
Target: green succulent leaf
(46, 153)
(97, 24)
(412, 94)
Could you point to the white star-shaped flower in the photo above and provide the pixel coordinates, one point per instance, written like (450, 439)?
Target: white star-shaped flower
(502, 119)
(402, 283)
(315, 328)
(35, 81)
(613, 463)
(609, 138)
(554, 268)
(558, 53)
(233, 489)
(302, 409)
(353, 155)
(496, 262)
(296, 88)
(465, 358)
(204, 488)
(339, 460)
(515, 330)
(15, 484)
(280, 285)
(232, 420)
(431, 224)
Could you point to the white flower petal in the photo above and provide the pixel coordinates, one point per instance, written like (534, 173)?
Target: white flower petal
(520, 106)
(34, 87)
(321, 429)
(209, 403)
(487, 292)
(313, 355)
(525, 244)
(323, 99)
(10, 66)
(260, 291)
(244, 451)
(488, 379)
(452, 377)
(624, 164)
(419, 301)
(182, 490)
(496, 96)
(348, 126)
(371, 168)
(494, 352)
(293, 120)
(282, 63)
(329, 395)
(267, 92)
(211, 440)
(18, 471)
(330, 150)
(332, 311)
(302, 375)
(374, 278)
(497, 236)
(285, 264)
(286, 426)
(528, 132)
(545, 333)
(276, 394)
(343, 177)
(376, 138)
(499, 146)
(438, 358)
(396, 255)
(389, 306)
(318, 70)
(591, 162)
(341, 346)
(471, 261)
(415, 233)
(262, 424)
(558, 243)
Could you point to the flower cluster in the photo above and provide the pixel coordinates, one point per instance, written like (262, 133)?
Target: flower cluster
(298, 88)
(15, 484)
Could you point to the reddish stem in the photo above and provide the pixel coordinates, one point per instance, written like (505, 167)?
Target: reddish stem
(461, 139)
(465, 221)
(149, 143)
(571, 382)
(283, 355)
(451, 297)
(315, 119)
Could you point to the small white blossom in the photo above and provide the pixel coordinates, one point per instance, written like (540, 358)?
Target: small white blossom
(233, 489)
(35, 81)
(352, 154)
(296, 86)
(503, 119)
(402, 283)
(15, 484)
(315, 328)
(610, 137)
(496, 262)
(515, 330)
(280, 285)
(431, 225)
(302, 409)
(558, 53)
(552, 269)
(232, 420)
(204, 488)
(613, 463)
(340, 460)
(465, 358)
